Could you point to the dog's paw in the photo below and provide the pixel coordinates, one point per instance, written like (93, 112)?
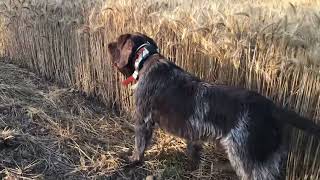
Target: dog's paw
(133, 161)
(135, 158)
(124, 154)
(130, 161)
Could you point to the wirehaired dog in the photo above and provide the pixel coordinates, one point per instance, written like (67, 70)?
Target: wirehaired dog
(250, 127)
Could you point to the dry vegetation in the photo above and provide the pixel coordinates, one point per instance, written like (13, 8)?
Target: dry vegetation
(265, 45)
(47, 132)
(2, 37)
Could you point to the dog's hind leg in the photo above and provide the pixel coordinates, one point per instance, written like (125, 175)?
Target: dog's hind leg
(143, 134)
(238, 161)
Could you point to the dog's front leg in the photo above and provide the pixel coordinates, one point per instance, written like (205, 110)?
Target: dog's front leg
(194, 150)
(143, 134)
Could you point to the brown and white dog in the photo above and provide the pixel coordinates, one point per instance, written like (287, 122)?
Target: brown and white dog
(250, 127)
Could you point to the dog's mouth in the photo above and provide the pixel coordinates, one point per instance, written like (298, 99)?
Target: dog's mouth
(115, 59)
(125, 71)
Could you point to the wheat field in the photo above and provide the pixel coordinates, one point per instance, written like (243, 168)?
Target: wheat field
(268, 46)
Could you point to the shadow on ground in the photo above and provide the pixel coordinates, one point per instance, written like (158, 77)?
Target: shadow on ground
(47, 132)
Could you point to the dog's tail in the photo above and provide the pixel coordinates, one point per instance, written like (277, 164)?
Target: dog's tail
(294, 119)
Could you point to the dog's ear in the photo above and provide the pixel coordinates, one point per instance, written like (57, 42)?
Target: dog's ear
(126, 44)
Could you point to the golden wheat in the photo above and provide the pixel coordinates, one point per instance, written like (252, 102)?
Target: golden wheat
(261, 45)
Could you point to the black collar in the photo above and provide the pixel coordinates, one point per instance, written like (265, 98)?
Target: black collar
(142, 53)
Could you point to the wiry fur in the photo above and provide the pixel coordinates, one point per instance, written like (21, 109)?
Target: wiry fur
(216, 113)
(271, 168)
(245, 122)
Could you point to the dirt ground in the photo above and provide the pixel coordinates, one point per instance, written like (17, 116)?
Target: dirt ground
(49, 132)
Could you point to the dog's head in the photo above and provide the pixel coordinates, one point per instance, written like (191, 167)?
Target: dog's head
(123, 51)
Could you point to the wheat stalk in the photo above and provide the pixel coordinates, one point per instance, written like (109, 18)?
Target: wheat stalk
(270, 48)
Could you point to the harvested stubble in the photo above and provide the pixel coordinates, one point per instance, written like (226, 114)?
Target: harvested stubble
(47, 132)
(264, 45)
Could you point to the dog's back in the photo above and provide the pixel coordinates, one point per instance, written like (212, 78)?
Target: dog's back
(189, 108)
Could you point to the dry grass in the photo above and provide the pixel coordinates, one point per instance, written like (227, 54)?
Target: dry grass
(264, 45)
(47, 132)
(2, 36)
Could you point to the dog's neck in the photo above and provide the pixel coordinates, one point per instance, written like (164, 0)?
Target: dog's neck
(141, 55)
